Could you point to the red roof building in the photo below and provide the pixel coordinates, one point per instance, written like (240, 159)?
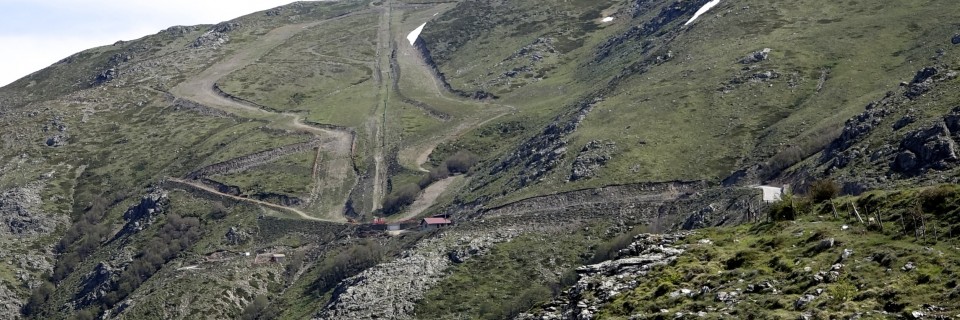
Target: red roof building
(433, 223)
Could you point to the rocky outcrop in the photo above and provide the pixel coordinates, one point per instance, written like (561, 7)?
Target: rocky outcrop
(59, 130)
(839, 153)
(541, 154)
(58, 140)
(101, 281)
(106, 76)
(142, 215)
(922, 82)
(216, 36)
(592, 157)
(673, 13)
(930, 148)
(210, 39)
(179, 31)
(21, 214)
(756, 56)
(96, 284)
(390, 290)
(236, 236)
(599, 284)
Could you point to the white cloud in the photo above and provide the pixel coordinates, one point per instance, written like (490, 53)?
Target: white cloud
(50, 30)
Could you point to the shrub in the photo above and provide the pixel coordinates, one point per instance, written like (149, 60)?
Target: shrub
(39, 297)
(175, 236)
(400, 198)
(255, 309)
(437, 174)
(823, 190)
(461, 162)
(784, 210)
(344, 264)
(939, 199)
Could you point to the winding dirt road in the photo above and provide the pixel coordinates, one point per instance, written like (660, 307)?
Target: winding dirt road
(201, 89)
(203, 187)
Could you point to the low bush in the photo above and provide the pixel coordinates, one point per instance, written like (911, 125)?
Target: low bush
(400, 198)
(461, 162)
(823, 190)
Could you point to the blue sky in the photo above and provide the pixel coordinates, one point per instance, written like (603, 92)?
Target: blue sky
(36, 33)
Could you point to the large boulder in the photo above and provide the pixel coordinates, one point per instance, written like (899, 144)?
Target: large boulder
(756, 56)
(928, 148)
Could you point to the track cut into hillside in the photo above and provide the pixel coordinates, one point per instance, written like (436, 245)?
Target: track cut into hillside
(418, 154)
(203, 89)
(202, 187)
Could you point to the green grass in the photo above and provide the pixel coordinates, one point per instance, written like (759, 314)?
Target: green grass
(227, 144)
(325, 72)
(289, 175)
(779, 252)
(512, 277)
(674, 121)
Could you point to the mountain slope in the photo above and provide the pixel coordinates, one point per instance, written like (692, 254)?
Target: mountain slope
(237, 169)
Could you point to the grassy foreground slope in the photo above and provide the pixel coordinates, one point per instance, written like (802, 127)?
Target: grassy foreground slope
(902, 259)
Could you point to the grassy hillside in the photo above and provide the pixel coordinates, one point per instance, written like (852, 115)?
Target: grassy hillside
(278, 131)
(901, 259)
(678, 101)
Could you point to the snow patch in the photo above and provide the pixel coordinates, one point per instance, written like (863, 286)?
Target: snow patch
(703, 10)
(413, 36)
(607, 19)
(771, 194)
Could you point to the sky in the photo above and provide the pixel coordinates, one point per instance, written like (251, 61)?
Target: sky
(37, 33)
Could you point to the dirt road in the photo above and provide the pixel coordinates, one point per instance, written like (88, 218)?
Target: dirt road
(200, 88)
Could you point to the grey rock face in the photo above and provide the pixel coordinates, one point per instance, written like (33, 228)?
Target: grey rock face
(140, 216)
(97, 284)
(21, 216)
(226, 27)
(757, 56)
(921, 83)
(921, 149)
(903, 122)
(601, 283)
(235, 236)
(592, 157)
(217, 35)
(928, 148)
(179, 31)
(391, 290)
(106, 76)
(542, 153)
(100, 281)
